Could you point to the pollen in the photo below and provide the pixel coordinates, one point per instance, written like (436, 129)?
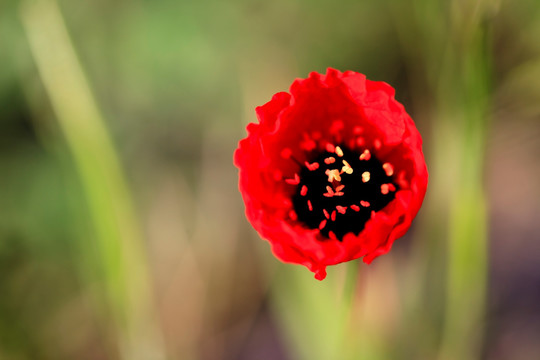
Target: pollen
(326, 214)
(365, 176)
(310, 206)
(303, 192)
(366, 155)
(333, 175)
(294, 181)
(347, 168)
(339, 152)
(364, 203)
(355, 208)
(333, 216)
(322, 224)
(329, 160)
(388, 169)
(340, 187)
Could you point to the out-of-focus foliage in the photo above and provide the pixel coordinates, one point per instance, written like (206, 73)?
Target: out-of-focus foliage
(175, 82)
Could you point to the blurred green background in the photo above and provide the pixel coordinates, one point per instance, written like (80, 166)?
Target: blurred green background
(122, 233)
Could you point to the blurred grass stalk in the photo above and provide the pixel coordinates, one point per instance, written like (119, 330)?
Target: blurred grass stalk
(119, 242)
(456, 55)
(464, 93)
(448, 44)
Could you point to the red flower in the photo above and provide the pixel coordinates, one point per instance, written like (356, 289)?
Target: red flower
(333, 171)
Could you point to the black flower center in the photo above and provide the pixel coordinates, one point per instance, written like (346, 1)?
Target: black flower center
(338, 191)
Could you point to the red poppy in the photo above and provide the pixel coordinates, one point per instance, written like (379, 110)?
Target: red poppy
(333, 171)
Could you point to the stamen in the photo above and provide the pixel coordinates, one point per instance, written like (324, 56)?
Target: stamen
(331, 235)
(347, 168)
(330, 192)
(286, 153)
(385, 188)
(326, 214)
(341, 209)
(366, 155)
(330, 148)
(329, 160)
(365, 176)
(294, 181)
(313, 166)
(333, 175)
(388, 169)
(308, 144)
(338, 166)
(401, 180)
(293, 215)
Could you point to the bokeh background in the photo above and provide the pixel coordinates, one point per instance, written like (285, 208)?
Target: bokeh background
(122, 233)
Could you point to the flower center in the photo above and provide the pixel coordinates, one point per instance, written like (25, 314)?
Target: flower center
(338, 192)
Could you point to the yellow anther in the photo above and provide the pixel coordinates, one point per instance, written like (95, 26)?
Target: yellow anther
(366, 155)
(339, 152)
(333, 175)
(388, 169)
(347, 168)
(365, 176)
